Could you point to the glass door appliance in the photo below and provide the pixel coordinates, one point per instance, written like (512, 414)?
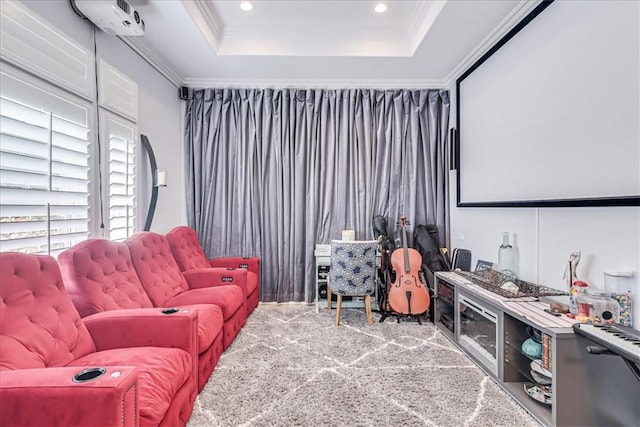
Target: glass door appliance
(478, 332)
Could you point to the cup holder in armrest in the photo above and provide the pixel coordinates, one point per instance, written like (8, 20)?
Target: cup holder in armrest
(170, 310)
(88, 375)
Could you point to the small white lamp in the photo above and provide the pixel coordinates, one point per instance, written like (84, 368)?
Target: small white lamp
(161, 179)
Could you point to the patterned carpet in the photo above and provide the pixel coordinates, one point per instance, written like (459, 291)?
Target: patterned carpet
(292, 367)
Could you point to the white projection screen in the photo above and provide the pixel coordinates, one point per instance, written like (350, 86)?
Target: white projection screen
(550, 116)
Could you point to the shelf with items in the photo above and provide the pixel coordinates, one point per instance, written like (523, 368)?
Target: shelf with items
(521, 373)
(515, 355)
(524, 347)
(517, 374)
(540, 411)
(524, 365)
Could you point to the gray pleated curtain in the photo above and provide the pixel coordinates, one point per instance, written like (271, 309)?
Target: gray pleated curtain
(270, 173)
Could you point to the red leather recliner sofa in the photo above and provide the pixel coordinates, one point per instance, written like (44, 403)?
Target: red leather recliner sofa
(99, 276)
(148, 357)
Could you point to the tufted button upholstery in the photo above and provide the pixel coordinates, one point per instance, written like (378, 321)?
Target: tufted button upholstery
(161, 277)
(189, 255)
(39, 327)
(156, 267)
(186, 249)
(99, 276)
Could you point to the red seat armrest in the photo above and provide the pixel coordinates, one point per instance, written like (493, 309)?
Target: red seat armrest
(206, 277)
(48, 396)
(144, 327)
(250, 263)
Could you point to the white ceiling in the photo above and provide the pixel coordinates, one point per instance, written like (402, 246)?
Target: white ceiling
(330, 43)
(320, 28)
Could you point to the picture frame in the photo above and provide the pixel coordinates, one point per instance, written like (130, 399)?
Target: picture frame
(483, 265)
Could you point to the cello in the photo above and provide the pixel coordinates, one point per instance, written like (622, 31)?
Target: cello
(407, 295)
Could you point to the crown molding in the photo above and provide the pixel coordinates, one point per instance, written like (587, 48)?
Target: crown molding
(207, 20)
(516, 15)
(315, 83)
(424, 18)
(152, 59)
(419, 12)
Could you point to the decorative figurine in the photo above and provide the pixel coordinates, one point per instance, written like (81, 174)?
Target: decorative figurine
(575, 285)
(570, 271)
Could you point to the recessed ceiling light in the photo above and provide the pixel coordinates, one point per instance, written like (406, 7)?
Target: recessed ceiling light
(246, 6)
(380, 8)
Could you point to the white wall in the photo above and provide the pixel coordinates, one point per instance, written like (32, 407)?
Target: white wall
(544, 238)
(607, 237)
(159, 111)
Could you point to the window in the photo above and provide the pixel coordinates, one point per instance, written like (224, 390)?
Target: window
(57, 183)
(44, 166)
(118, 103)
(121, 172)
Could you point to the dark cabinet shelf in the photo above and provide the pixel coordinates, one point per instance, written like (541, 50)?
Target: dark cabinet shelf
(563, 356)
(444, 301)
(539, 410)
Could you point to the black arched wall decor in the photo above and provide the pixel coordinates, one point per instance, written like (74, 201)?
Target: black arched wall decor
(146, 146)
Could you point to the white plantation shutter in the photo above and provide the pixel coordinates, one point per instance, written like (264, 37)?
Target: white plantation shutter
(44, 168)
(58, 181)
(121, 172)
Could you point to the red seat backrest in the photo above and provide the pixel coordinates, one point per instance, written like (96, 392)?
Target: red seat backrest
(186, 249)
(99, 276)
(158, 271)
(39, 326)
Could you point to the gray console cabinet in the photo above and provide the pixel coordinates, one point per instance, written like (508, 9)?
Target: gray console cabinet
(572, 399)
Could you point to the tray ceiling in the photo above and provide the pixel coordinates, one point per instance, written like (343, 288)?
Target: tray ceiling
(331, 43)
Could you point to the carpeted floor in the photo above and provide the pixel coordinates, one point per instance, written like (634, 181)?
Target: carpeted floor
(292, 367)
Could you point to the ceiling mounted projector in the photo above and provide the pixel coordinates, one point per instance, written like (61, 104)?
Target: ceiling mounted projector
(112, 16)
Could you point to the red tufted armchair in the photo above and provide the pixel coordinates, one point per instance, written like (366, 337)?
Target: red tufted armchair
(148, 378)
(166, 286)
(99, 276)
(188, 253)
